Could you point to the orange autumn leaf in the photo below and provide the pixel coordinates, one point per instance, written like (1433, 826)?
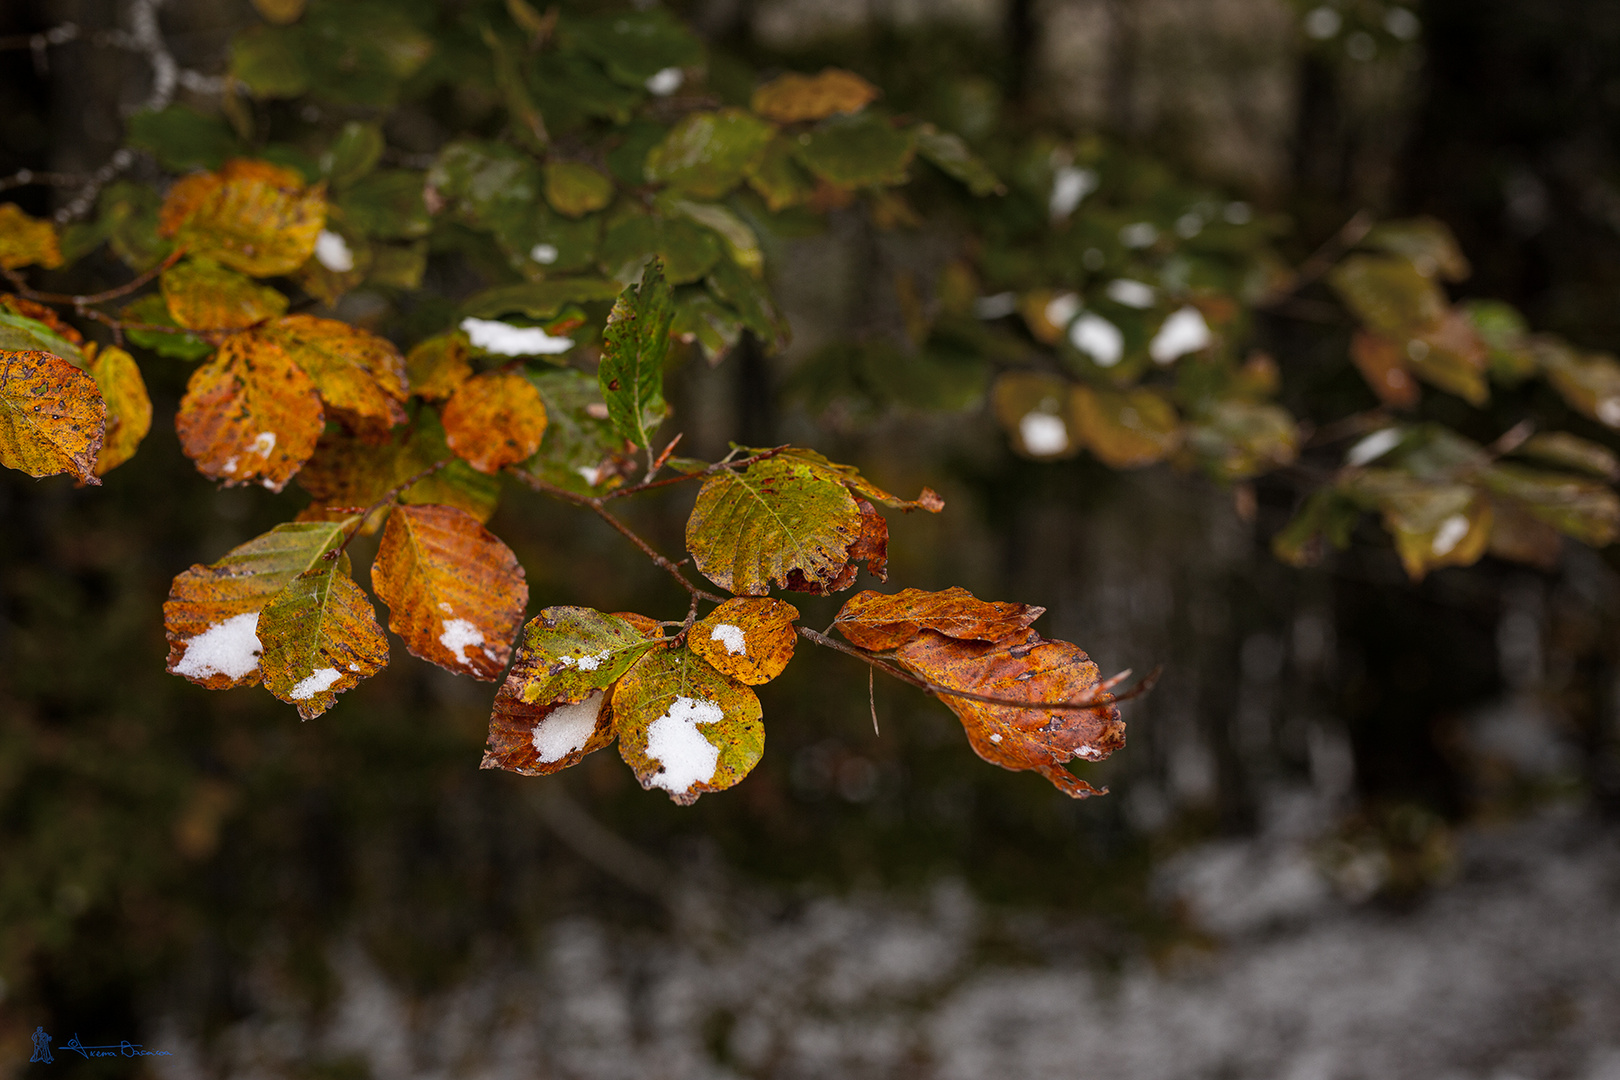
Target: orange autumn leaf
(750, 639)
(1383, 364)
(52, 417)
(870, 547)
(203, 295)
(455, 593)
(252, 216)
(494, 420)
(1024, 667)
(793, 97)
(880, 622)
(250, 414)
(359, 376)
(129, 408)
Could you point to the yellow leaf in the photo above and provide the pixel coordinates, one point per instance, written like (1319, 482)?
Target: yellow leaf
(251, 215)
(1128, 429)
(27, 241)
(52, 418)
(438, 365)
(793, 97)
(749, 639)
(575, 189)
(203, 295)
(320, 638)
(360, 376)
(250, 414)
(129, 409)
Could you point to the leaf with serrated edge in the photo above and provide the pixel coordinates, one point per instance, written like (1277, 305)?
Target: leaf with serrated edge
(1023, 667)
(553, 708)
(212, 614)
(320, 638)
(251, 215)
(494, 420)
(129, 408)
(203, 295)
(455, 593)
(358, 374)
(754, 526)
(634, 345)
(684, 727)
(880, 622)
(52, 418)
(749, 639)
(249, 415)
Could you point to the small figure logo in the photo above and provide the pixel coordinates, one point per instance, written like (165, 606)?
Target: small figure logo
(42, 1047)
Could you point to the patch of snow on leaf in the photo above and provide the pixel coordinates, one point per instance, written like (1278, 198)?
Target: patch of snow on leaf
(322, 679)
(566, 728)
(995, 307)
(1450, 534)
(332, 252)
(1043, 434)
(544, 254)
(585, 663)
(504, 339)
(665, 82)
(230, 648)
(674, 741)
(1373, 447)
(263, 443)
(1098, 338)
(1139, 234)
(732, 638)
(1061, 308)
(229, 467)
(1608, 411)
(458, 634)
(1182, 333)
(1131, 293)
(1070, 184)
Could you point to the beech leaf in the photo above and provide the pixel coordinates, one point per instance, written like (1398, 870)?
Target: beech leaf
(684, 727)
(320, 638)
(793, 97)
(749, 639)
(1022, 666)
(52, 417)
(129, 408)
(212, 614)
(1125, 429)
(880, 622)
(709, 153)
(359, 376)
(250, 414)
(438, 365)
(252, 216)
(455, 593)
(634, 346)
(494, 420)
(27, 241)
(203, 295)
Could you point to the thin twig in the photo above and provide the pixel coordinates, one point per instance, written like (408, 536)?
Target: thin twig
(719, 466)
(392, 494)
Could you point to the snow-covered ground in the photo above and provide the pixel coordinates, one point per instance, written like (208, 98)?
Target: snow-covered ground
(1511, 971)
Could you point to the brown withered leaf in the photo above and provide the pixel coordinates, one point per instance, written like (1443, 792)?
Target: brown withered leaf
(791, 98)
(455, 593)
(438, 365)
(212, 614)
(28, 309)
(52, 418)
(1024, 667)
(129, 408)
(203, 295)
(871, 547)
(554, 707)
(250, 414)
(27, 241)
(880, 622)
(359, 376)
(1382, 362)
(494, 420)
(252, 216)
(320, 638)
(747, 638)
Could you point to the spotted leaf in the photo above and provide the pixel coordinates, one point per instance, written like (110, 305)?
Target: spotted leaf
(749, 639)
(250, 414)
(320, 637)
(251, 216)
(52, 417)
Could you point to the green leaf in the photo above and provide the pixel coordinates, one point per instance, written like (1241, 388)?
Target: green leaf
(1388, 294)
(579, 440)
(782, 520)
(952, 156)
(634, 345)
(154, 311)
(741, 242)
(709, 153)
(19, 333)
(353, 154)
(1327, 516)
(701, 318)
(386, 205)
(321, 637)
(360, 51)
(858, 151)
(569, 89)
(526, 117)
(636, 45)
(1427, 243)
(539, 299)
(684, 727)
(688, 251)
(486, 182)
(130, 212)
(1434, 523)
(748, 296)
(183, 139)
(269, 60)
(1572, 452)
(1589, 382)
(1584, 509)
(575, 189)
(779, 179)
(1238, 439)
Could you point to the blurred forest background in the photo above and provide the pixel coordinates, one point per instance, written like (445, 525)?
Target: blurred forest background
(1343, 781)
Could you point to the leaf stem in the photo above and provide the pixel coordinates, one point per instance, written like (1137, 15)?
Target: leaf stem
(394, 493)
(649, 485)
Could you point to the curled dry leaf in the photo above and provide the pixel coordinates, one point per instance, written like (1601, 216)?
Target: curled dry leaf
(249, 414)
(749, 639)
(52, 418)
(684, 727)
(554, 707)
(494, 420)
(791, 98)
(27, 241)
(129, 409)
(879, 622)
(1022, 666)
(320, 637)
(871, 547)
(252, 216)
(438, 365)
(455, 593)
(360, 376)
(757, 525)
(203, 295)
(212, 614)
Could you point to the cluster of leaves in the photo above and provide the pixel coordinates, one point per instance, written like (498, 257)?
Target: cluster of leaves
(562, 397)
